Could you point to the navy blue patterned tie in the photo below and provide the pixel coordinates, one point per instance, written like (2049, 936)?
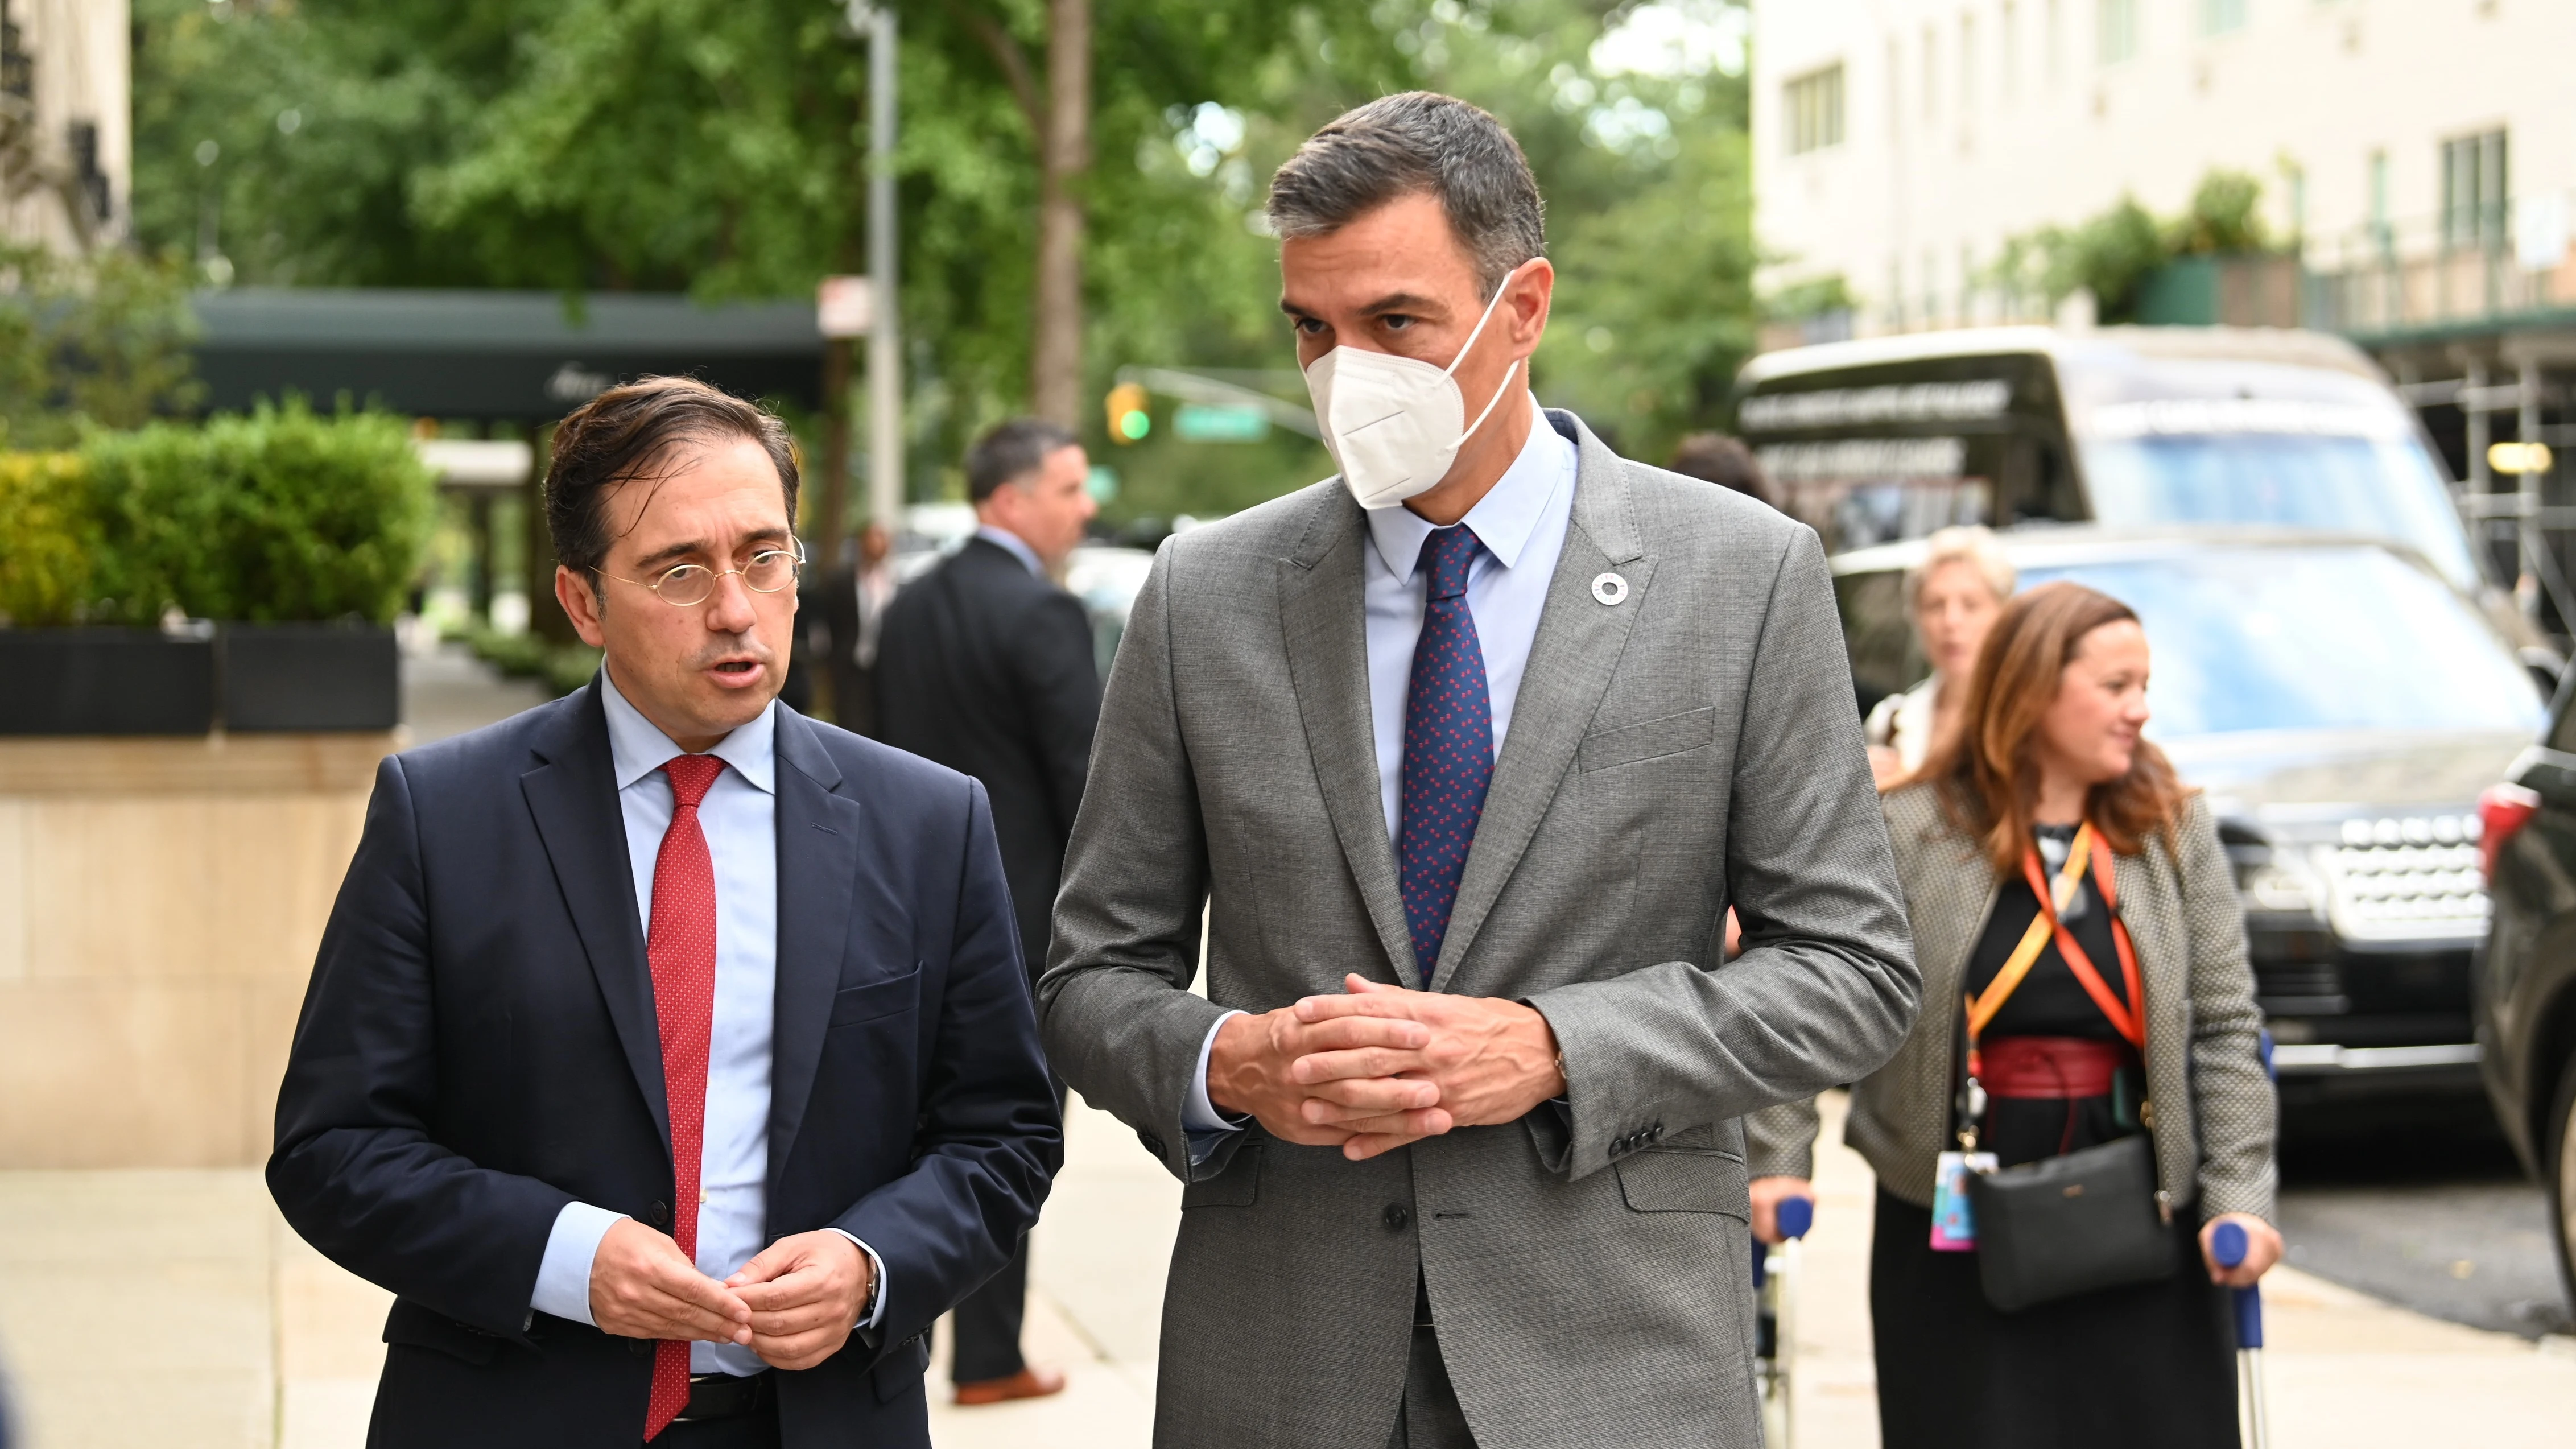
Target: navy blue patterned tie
(1448, 746)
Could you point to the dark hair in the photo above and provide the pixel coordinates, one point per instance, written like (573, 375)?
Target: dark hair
(1983, 766)
(626, 434)
(1408, 145)
(1726, 462)
(1013, 451)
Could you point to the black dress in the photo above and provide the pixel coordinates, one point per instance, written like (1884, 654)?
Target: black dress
(2147, 1365)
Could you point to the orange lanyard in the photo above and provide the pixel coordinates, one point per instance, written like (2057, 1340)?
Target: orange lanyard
(2125, 1018)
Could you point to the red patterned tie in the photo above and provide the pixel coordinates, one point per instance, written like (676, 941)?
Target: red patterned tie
(681, 946)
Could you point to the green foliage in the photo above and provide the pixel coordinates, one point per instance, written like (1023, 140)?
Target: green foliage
(561, 668)
(718, 146)
(2113, 254)
(99, 340)
(46, 538)
(281, 515)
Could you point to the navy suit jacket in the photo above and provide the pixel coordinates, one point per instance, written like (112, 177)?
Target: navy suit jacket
(479, 1047)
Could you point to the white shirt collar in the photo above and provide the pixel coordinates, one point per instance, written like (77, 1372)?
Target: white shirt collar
(1015, 545)
(1503, 519)
(637, 747)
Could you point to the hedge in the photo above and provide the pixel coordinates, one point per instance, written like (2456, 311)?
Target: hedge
(279, 515)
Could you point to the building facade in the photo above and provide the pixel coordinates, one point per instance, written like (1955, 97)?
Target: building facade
(66, 132)
(1900, 143)
(2417, 159)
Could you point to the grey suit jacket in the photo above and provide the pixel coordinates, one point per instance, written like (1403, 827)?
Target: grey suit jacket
(2214, 1107)
(1688, 748)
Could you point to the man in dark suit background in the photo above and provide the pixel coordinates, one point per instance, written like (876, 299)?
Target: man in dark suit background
(669, 1055)
(985, 665)
(849, 609)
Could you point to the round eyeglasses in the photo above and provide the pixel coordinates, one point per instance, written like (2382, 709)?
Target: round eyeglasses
(690, 585)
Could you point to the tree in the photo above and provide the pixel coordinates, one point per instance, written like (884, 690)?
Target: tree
(1053, 231)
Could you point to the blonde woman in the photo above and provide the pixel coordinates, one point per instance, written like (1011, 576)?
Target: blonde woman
(1953, 597)
(2136, 1017)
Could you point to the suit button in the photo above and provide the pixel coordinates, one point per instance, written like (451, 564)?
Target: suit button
(1153, 1144)
(1395, 1216)
(639, 1346)
(659, 1214)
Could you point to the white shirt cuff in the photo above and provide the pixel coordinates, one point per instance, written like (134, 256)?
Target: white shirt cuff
(876, 1304)
(1206, 1125)
(563, 1275)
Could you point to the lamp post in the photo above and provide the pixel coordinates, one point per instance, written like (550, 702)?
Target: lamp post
(885, 353)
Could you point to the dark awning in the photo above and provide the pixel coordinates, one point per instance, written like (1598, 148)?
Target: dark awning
(461, 354)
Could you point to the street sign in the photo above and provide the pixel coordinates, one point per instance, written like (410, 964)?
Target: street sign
(844, 307)
(1218, 423)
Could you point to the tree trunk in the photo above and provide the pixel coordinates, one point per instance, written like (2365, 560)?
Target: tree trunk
(1064, 154)
(834, 504)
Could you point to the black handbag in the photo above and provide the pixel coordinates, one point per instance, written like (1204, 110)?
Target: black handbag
(2091, 1219)
(2061, 1226)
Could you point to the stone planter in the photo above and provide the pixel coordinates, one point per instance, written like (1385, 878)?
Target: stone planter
(105, 682)
(308, 678)
(160, 904)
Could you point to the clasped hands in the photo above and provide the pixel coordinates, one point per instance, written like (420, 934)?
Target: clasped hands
(793, 1304)
(1383, 1066)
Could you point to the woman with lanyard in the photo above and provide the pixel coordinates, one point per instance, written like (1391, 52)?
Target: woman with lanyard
(2084, 980)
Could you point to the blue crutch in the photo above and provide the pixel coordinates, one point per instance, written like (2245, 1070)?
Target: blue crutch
(1775, 1342)
(2227, 1245)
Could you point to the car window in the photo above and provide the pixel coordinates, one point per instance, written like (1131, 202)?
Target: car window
(2384, 487)
(1884, 655)
(2311, 638)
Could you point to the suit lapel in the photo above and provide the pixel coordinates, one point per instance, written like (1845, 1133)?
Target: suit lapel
(1571, 660)
(572, 794)
(818, 857)
(1321, 609)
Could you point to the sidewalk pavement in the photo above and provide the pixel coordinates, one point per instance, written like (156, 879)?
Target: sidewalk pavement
(140, 1309)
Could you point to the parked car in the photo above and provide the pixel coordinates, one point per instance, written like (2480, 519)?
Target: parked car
(2343, 703)
(1890, 438)
(2526, 975)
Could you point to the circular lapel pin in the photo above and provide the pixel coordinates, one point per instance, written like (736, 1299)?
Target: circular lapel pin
(1610, 589)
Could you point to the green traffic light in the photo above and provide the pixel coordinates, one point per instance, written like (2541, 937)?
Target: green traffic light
(1135, 425)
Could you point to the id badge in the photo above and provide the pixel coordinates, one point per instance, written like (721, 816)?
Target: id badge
(1954, 1228)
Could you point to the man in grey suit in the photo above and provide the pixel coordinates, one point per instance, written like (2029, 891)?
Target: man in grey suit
(1466, 753)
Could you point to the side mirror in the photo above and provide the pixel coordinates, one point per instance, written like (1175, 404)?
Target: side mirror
(2547, 668)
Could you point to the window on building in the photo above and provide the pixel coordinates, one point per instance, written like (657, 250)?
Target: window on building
(2115, 30)
(1896, 90)
(2012, 50)
(2473, 190)
(2379, 197)
(2217, 17)
(1812, 105)
(1967, 64)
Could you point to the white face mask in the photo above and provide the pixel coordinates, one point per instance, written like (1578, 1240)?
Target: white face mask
(1394, 424)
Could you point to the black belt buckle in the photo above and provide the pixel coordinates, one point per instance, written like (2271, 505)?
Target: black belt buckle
(725, 1396)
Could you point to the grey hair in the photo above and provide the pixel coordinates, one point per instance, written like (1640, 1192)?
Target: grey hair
(1418, 143)
(1968, 543)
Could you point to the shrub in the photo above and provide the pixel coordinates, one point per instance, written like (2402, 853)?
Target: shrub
(280, 515)
(47, 538)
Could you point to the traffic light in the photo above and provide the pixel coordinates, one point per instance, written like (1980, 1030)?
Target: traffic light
(1128, 420)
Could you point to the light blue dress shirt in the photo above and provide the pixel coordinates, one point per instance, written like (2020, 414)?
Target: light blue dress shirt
(1012, 544)
(739, 818)
(1522, 522)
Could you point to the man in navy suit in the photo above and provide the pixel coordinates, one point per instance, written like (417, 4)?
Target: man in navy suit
(668, 1054)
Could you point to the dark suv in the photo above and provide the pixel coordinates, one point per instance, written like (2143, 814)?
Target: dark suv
(2526, 976)
(2343, 704)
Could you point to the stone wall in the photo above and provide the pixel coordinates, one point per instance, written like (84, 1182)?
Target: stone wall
(160, 903)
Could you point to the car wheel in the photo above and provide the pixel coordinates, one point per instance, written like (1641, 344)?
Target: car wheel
(2560, 1145)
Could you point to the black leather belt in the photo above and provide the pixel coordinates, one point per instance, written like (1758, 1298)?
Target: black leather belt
(726, 1396)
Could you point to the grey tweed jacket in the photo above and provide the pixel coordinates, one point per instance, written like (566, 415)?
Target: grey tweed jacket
(1685, 747)
(2214, 1106)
